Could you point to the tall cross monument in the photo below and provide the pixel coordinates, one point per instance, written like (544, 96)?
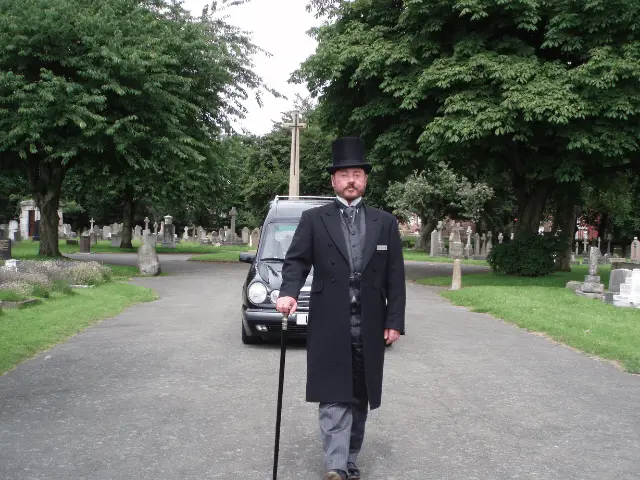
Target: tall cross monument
(294, 168)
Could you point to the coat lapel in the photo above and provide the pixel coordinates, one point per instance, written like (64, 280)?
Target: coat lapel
(373, 225)
(331, 219)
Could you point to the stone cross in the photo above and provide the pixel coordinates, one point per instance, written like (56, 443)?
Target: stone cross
(185, 235)
(294, 167)
(234, 214)
(593, 261)
(577, 248)
(92, 222)
(585, 237)
(489, 244)
(155, 228)
(146, 224)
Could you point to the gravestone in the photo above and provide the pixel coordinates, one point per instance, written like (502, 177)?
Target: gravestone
(234, 214)
(476, 245)
(609, 238)
(148, 261)
(85, 244)
(137, 232)
(489, 246)
(106, 232)
(255, 237)
(591, 287)
(185, 234)
(116, 239)
(146, 226)
(629, 291)
(246, 234)
(483, 245)
(17, 236)
(635, 250)
(585, 240)
(467, 247)
(617, 278)
(433, 249)
(5, 248)
(455, 243)
(617, 252)
(168, 237)
(500, 237)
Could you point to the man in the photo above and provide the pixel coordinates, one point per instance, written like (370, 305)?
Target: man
(357, 304)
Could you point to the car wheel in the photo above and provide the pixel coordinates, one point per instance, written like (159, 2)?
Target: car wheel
(248, 340)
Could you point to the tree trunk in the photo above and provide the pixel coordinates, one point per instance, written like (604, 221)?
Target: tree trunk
(565, 222)
(45, 182)
(602, 228)
(127, 218)
(425, 234)
(531, 207)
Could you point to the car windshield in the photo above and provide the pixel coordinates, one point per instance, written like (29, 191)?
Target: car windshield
(277, 239)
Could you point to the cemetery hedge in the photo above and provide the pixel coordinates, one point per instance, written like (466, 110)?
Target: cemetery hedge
(527, 255)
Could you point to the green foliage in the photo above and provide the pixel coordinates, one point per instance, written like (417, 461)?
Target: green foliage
(437, 193)
(527, 255)
(548, 92)
(142, 87)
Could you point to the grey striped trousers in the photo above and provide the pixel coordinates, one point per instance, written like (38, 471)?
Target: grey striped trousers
(342, 425)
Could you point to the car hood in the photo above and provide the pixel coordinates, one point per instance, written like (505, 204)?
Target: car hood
(271, 273)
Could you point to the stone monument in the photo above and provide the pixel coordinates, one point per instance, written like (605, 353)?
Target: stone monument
(591, 287)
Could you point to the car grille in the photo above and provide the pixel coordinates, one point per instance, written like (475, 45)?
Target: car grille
(290, 328)
(303, 299)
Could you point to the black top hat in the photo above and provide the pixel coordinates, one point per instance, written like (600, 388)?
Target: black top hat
(348, 152)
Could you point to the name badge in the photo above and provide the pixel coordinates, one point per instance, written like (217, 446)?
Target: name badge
(382, 247)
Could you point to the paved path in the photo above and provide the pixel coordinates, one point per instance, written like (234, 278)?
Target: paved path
(166, 390)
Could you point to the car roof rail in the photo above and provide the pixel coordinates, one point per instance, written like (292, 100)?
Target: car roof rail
(301, 197)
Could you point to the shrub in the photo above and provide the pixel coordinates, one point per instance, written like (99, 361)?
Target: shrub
(527, 255)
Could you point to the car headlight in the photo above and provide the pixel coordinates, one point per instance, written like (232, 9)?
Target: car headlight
(257, 293)
(274, 296)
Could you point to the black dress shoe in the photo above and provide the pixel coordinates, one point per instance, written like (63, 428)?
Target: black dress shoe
(335, 475)
(353, 471)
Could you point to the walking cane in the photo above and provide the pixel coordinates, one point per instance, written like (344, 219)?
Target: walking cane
(283, 348)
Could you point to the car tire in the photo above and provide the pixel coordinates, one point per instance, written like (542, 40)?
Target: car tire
(248, 340)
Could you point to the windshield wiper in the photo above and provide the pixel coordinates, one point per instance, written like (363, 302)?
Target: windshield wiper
(272, 259)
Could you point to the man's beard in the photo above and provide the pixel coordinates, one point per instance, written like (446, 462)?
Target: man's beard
(351, 194)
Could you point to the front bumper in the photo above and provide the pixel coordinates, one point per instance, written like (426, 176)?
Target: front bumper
(267, 324)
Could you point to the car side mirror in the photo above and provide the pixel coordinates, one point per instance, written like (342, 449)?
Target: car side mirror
(247, 257)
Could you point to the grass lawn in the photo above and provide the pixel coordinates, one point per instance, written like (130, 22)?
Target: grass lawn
(27, 331)
(545, 305)
(29, 249)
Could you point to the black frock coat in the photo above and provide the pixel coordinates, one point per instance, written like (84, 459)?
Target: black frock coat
(319, 242)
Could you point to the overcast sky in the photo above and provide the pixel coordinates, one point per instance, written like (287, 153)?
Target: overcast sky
(279, 27)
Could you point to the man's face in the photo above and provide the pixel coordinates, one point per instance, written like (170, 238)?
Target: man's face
(349, 183)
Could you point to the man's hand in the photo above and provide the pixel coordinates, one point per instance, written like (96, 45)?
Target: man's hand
(286, 305)
(391, 335)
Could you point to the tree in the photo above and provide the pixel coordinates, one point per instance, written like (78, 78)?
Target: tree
(546, 91)
(141, 86)
(435, 194)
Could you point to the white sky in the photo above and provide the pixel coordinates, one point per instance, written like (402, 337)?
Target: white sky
(279, 27)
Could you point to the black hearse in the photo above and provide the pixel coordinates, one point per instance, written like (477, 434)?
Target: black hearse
(260, 319)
